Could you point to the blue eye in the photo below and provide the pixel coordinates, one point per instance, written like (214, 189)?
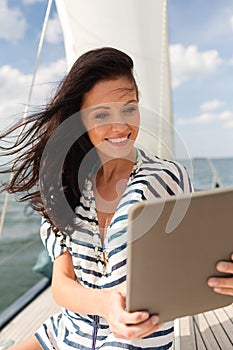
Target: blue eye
(130, 109)
(101, 115)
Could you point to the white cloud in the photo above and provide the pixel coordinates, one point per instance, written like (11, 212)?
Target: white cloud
(15, 88)
(49, 72)
(54, 31)
(211, 105)
(203, 118)
(12, 22)
(225, 118)
(47, 79)
(189, 63)
(226, 115)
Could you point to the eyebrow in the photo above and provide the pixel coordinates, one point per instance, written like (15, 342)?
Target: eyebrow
(98, 107)
(131, 101)
(107, 107)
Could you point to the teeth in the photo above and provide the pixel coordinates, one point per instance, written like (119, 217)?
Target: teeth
(118, 140)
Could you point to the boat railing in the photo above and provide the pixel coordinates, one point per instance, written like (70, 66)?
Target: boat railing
(14, 309)
(204, 174)
(216, 181)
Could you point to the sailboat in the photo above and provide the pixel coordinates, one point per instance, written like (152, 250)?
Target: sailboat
(140, 28)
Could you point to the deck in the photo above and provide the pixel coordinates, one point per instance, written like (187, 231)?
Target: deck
(212, 330)
(30, 319)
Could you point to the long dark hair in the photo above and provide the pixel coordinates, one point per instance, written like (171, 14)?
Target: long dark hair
(42, 188)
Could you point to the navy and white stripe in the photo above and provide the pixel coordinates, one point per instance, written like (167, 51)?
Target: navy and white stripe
(151, 178)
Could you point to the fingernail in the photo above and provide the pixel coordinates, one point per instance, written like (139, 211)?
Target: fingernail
(154, 319)
(213, 282)
(222, 266)
(144, 315)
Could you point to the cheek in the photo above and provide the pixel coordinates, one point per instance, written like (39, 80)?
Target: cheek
(97, 134)
(135, 125)
(135, 132)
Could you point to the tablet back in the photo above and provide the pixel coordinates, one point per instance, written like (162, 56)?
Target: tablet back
(168, 272)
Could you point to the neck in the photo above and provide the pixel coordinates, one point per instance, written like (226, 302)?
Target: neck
(116, 167)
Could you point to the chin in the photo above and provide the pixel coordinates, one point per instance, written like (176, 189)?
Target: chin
(116, 152)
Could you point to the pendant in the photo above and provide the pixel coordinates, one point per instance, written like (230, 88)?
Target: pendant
(105, 258)
(105, 262)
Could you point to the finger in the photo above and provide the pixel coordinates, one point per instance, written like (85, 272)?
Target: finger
(226, 282)
(133, 317)
(150, 326)
(142, 329)
(152, 330)
(224, 266)
(225, 291)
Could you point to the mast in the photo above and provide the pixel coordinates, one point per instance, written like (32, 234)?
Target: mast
(140, 28)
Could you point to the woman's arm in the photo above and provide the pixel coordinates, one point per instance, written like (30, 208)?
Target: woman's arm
(108, 303)
(68, 293)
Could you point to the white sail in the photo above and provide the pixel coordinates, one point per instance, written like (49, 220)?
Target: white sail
(139, 28)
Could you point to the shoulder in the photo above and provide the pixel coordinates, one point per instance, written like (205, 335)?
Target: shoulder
(164, 170)
(156, 163)
(55, 244)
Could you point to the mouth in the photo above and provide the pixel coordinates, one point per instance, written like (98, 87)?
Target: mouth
(119, 141)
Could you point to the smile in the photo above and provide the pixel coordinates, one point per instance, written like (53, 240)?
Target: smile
(119, 140)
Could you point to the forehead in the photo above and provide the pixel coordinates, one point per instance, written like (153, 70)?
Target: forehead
(107, 91)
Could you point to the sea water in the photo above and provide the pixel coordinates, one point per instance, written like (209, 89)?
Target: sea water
(20, 242)
(205, 172)
(20, 245)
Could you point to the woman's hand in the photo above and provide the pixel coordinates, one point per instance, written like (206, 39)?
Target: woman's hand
(127, 325)
(223, 285)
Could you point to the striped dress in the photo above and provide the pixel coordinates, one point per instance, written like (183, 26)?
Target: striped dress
(103, 265)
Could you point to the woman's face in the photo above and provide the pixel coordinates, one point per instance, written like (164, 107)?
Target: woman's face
(111, 117)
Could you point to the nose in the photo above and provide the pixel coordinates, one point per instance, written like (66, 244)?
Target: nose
(118, 123)
(118, 127)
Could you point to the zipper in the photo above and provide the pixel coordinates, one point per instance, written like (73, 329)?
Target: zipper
(95, 330)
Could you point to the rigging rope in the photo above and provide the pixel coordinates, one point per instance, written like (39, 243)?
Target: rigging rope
(38, 56)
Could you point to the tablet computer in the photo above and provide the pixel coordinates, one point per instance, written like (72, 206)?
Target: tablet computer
(173, 248)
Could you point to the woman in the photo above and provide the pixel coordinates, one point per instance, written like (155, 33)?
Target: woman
(85, 199)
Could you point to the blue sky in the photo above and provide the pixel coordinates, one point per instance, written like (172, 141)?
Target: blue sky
(201, 51)
(201, 39)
